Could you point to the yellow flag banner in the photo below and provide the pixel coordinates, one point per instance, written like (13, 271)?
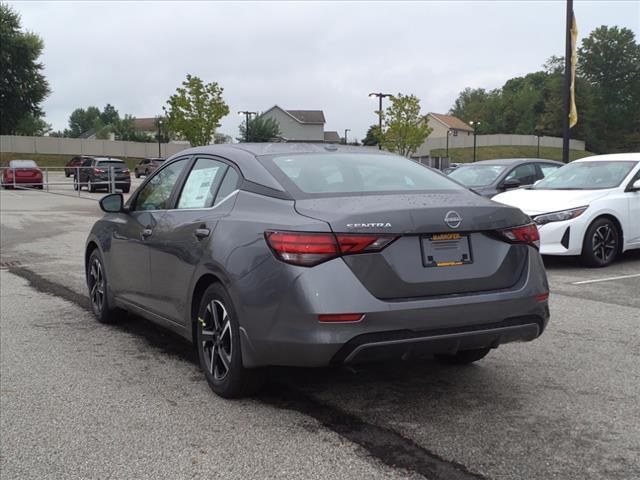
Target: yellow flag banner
(573, 111)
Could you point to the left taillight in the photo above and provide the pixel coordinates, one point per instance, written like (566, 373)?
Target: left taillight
(525, 234)
(309, 249)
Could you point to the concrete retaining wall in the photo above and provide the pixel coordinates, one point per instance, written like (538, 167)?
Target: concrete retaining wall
(78, 146)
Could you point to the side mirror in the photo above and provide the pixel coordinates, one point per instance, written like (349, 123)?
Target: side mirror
(112, 203)
(511, 183)
(634, 187)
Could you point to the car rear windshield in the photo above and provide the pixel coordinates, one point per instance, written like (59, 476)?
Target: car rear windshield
(23, 164)
(477, 175)
(351, 173)
(587, 176)
(115, 163)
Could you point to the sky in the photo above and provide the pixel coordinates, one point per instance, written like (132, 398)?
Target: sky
(299, 55)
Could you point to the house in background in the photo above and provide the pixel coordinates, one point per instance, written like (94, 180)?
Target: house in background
(146, 126)
(301, 125)
(441, 124)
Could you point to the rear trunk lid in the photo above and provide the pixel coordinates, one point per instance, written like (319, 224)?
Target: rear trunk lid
(420, 263)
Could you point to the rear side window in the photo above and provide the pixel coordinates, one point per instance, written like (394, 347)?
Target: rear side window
(228, 185)
(202, 183)
(345, 173)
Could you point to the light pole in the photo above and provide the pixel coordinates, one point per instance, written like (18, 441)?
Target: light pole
(448, 133)
(380, 96)
(475, 128)
(247, 114)
(345, 134)
(159, 137)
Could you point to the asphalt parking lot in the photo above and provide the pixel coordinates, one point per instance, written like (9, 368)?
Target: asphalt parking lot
(83, 400)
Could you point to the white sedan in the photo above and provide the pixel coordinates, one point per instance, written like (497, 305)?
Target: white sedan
(589, 207)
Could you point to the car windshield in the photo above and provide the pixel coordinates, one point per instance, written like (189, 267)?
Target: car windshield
(477, 175)
(23, 164)
(357, 173)
(587, 176)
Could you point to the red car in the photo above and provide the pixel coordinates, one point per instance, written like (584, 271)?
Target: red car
(22, 172)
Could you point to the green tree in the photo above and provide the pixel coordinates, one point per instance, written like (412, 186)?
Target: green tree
(405, 129)
(110, 115)
(195, 110)
(371, 139)
(33, 125)
(81, 121)
(23, 87)
(609, 61)
(261, 129)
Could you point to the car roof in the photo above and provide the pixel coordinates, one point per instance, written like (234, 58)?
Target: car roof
(27, 160)
(514, 161)
(613, 157)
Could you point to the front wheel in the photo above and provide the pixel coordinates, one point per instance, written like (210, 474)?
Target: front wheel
(601, 243)
(464, 357)
(97, 284)
(76, 184)
(218, 343)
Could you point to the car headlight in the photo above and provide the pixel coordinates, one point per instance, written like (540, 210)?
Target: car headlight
(559, 216)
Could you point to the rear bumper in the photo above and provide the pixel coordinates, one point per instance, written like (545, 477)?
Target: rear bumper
(280, 326)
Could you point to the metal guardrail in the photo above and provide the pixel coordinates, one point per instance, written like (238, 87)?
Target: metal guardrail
(10, 181)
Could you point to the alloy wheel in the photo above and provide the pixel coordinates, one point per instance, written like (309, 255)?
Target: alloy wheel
(216, 339)
(96, 285)
(604, 242)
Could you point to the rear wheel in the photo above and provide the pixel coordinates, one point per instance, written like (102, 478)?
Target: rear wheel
(76, 184)
(218, 344)
(90, 186)
(97, 284)
(601, 243)
(464, 357)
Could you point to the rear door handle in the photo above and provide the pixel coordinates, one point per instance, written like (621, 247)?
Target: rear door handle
(147, 232)
(202, 232)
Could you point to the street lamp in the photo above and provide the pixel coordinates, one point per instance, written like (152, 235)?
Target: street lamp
(380, 96)
(475, 128)
(449, 132)
(159, 137)
(247, 114)
(345, 134)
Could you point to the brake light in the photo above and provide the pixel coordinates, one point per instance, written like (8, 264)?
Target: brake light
(542, 297)
(309, 249)
(526, 234)
(340, 317)
(98, 170)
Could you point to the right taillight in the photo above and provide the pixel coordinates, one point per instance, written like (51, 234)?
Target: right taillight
(525, 234)
(309, 249)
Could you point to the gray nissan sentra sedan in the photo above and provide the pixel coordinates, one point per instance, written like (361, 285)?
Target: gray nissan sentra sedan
(314, 255)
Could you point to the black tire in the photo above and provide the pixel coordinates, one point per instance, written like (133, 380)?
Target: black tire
(137, 174)
(67, 174)
(40, 187)
(8, 187)
(218, 346)
(76, 184)
(97, 283)
(90, 186)
(601, 243)
(464, 357)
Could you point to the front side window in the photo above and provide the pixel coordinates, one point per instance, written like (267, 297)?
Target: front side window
(525, 174)
(350, 173)
(587, 175)
(202, 184)
(156, 193)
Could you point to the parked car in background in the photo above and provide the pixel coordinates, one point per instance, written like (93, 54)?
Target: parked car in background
(23, 173)
(589, 207)
(451, 168)
(490, 177)
(313, 255)
(147, 166)
(94, 174)
(71, 167)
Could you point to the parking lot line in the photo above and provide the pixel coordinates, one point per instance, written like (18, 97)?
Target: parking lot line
(607, 279)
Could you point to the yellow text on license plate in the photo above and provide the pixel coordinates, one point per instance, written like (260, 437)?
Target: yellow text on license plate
(445, 236)
(448, 264)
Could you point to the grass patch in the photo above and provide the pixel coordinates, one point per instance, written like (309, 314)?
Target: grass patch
(51, 160)
(465, 155)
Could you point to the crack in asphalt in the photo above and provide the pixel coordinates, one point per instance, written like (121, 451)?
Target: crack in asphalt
(382, 443)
